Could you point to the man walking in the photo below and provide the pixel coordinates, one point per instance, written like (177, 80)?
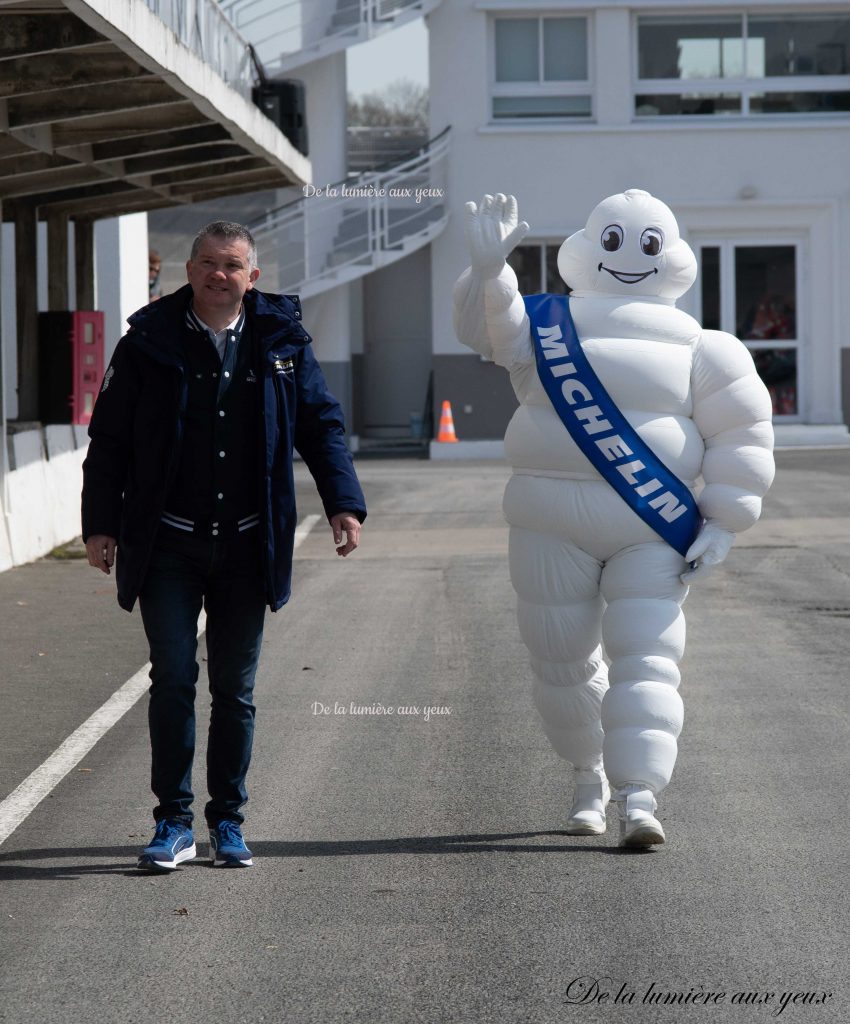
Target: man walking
(188, 487)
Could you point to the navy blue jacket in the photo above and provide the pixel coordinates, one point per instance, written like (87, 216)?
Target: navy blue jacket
(135, 434)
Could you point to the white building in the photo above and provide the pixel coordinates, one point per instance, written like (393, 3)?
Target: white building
(736, 115)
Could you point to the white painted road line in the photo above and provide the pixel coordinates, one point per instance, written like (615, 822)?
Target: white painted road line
(23, 800)
(304, 527)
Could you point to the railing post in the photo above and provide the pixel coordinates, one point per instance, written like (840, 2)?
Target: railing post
(384, 221)
(370, 225)
(305, 222)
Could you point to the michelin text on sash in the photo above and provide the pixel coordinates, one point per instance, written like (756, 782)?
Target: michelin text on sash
(580, 398)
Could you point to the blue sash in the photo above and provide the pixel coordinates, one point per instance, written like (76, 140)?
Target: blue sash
(602, 432)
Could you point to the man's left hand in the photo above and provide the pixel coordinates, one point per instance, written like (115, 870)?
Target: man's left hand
(345, 522)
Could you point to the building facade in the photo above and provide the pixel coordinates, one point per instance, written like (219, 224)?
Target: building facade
(736, 115)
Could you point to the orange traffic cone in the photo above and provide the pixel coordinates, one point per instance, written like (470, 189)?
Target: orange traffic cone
(447, 433)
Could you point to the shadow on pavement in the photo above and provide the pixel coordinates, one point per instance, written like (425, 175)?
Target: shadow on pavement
(18, 865)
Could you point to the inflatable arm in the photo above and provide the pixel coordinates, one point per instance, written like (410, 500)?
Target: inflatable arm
(489, 314)
(732, 410)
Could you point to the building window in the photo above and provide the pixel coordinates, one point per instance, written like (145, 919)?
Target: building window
(536, 268)
(743, 64)
(540, 68)
(751, 291)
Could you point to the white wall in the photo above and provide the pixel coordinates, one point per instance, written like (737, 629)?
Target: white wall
(121, 272)
(40, 498)
(8, 320)
(798, 169)
(326, 318)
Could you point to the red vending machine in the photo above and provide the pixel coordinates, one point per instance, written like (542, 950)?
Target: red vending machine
(70, 365)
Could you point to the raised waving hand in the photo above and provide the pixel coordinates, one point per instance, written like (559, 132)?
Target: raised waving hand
(492, 232)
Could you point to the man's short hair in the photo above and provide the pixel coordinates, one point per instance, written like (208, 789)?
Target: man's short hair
(230, 232)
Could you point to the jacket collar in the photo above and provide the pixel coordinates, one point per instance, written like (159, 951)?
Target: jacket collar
(275, 318)
(157, 327)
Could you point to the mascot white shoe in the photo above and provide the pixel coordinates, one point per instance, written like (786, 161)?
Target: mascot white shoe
(587, 816)
(638, 825)
(641, 446)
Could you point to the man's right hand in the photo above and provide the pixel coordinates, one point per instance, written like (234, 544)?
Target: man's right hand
(101, 552)
(492, 231)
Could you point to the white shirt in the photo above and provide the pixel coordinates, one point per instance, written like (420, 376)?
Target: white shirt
(219, 338)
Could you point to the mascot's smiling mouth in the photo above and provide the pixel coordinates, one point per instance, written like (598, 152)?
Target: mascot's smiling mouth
(627, 278)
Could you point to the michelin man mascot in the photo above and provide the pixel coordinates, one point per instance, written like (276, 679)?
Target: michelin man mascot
(625, 404)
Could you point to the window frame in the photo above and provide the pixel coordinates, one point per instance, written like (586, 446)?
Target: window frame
(541, 89)
(542, 243)
(727, 242)
(743, 86)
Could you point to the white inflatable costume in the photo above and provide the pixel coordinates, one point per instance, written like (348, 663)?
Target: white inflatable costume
(590, 575)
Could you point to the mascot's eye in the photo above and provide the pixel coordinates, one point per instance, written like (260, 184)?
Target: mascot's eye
(652, 241)
(612, 238)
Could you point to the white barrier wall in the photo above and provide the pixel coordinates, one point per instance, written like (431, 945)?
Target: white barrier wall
(40, 497)
(41, 481)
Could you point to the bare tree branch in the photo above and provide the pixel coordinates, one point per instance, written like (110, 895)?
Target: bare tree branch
(402, 103)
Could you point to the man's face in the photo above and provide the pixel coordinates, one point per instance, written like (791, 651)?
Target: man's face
(220, 274)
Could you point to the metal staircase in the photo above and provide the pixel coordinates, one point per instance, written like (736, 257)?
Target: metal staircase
(299, 31)
(338, 233)
(344, 231)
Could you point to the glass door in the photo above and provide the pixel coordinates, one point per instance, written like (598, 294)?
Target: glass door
(750, 289)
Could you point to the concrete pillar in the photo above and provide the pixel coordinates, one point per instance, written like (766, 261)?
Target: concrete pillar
(121, 271)
(57, 263)
(327, 319)
(325, 91)
(5, 536)
(4, 469)
(26, 278)
(2, 378)
(84, 263)
(328, 316)
(8, 315)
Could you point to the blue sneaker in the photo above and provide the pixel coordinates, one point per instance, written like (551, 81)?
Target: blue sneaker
(227, 847)
(172, 844)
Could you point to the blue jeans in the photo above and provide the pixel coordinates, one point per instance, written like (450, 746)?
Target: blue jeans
(225, 577)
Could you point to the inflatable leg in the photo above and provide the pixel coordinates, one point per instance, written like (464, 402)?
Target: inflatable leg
(643, 630)
(560, 610)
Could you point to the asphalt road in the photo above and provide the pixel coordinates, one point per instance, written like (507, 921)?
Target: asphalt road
(411, 867)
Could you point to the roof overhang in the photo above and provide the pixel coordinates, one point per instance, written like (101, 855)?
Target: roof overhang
(104, 111)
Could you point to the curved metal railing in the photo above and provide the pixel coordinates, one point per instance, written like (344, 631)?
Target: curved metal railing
(202, 26)
(338, 232)
(294, 32)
